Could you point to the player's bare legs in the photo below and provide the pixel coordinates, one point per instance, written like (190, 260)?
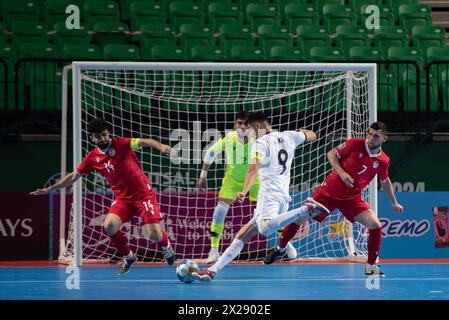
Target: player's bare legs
(111, 226)
(217, 227)
(369, 219)
(160, 237)
(245, 234)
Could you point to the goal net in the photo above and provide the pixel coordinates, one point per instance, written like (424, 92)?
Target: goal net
(190, 106)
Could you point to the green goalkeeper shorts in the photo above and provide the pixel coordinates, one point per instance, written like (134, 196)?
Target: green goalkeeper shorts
(230, 188)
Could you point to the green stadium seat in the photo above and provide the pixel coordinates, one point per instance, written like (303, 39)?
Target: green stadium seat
(437, 54)
(122, 52)
(358, 4)
(321, 3)
(81, 52)
(428, 36)
(8, 54)
(414, 15)
(143, 12)
(335, 15)
(65, 36)
(444, 91)
(395, 4)
(406, 54)
(312, 36)
(185, 13)
(259, 14)
(196, 35)
(28, 32)
(168, 53)
(346, 41)
(247, 53)
(273, 35)
(326, 54)
(345, 29)
(36, 86)
(101, 11)
(54, 10)
(20, 10)
(300, 14)
(206, 54)
(386, 18)
(110, 33)
(365, 54)
(281, 4)
(151, 38)
(388, 37)
(233, 35)
(224, 13)
(125, 9)
(2, 33)
(292, 54)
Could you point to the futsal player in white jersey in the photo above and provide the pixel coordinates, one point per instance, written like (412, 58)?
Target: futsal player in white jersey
(271, 157)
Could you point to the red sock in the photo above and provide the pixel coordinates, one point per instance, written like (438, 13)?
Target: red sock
(287, 234)
(374, 241)
(164, 241)
(121, 243)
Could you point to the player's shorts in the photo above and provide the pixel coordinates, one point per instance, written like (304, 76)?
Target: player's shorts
(230, 188)
(268, 208)
(147, 209)
(349, 207)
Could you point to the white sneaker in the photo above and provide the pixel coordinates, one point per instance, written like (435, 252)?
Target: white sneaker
(213, 256)
(373, 270)
(291, 251)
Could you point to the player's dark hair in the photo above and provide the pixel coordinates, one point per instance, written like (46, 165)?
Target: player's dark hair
(98, 125)
(257, 116)
(242, 115)
(379, 126)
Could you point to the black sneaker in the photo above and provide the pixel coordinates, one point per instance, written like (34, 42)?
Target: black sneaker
(169, 255)
(125, 264)
(274, 255)
(373, 270)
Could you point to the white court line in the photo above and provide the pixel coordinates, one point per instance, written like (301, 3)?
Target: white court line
(224, 280)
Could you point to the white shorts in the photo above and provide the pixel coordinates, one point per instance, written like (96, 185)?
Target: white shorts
(267, 209)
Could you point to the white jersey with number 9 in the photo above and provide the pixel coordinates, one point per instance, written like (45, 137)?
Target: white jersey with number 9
(276, 150)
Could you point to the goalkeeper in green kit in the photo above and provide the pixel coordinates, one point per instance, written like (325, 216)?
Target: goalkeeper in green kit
(237, 146)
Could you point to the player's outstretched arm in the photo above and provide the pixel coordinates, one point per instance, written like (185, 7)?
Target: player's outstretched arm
(203, 176)
(387, 186)
(335, 163)
(310, 135)
(251, 176)
(64, 182)
(165, 149)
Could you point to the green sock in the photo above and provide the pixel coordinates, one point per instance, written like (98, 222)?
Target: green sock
(215, 234)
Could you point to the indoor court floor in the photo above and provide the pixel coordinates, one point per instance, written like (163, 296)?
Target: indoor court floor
(295, 281)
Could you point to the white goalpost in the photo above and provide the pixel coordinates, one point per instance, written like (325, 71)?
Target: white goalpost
(189, 106)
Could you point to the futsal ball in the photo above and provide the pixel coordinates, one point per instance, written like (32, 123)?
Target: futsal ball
(184, 270)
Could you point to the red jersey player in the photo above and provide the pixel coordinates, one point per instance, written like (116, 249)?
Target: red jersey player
(115, 159)
(355, 163)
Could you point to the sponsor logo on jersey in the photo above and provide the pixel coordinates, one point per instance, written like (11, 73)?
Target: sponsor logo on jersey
(97, 159)
(375, 164)
(111, 152)
(360, 155)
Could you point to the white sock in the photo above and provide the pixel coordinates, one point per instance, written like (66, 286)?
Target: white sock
(282, 220)
(280, 249)
(129, 256)
(230, 254)
(220, 212)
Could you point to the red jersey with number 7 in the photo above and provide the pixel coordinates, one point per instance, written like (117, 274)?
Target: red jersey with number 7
(121, 168)
(356, 159)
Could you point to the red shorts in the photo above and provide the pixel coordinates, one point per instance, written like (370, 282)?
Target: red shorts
(147, 209)
(349, 207)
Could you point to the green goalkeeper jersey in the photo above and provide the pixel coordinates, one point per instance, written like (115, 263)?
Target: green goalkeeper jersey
(237, 155)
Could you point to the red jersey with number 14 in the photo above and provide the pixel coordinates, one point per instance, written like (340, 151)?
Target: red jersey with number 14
(360, 164)
(121, 168)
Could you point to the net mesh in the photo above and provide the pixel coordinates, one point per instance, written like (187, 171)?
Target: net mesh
(189, 110)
